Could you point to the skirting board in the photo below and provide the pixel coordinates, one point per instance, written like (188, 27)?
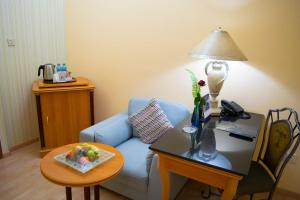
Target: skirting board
(23, 144)
(288, 193)
(20, 146)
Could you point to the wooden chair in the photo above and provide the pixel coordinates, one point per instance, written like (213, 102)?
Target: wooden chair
(280, 141)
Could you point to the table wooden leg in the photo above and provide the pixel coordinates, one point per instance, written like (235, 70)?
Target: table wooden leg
(229, 190)
(165, 179)
(96, 192)
(87, 193)
(68, 193)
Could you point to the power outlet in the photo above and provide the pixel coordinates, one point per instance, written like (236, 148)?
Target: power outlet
(293, 159)
(11, 43)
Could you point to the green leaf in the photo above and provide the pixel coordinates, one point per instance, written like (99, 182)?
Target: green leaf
(202, 101)
(195, 87)
(197, 100)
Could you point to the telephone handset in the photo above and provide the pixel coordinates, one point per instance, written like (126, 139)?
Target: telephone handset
(231, 108)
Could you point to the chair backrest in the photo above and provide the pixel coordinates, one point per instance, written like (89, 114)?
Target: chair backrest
(280, 141)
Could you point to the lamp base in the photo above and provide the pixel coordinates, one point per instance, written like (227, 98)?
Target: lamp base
(213, 109)
(213, 103)
(214, 112)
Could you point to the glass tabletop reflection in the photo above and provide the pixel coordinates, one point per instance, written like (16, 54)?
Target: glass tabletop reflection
(227, 145)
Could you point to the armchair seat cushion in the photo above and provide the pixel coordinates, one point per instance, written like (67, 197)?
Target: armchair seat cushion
(134, 172)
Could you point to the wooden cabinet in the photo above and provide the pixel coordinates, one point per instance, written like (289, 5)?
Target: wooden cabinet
(63, 111)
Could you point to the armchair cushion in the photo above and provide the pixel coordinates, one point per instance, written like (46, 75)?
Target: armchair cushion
(150, 123)
(176, 112)
(134, 172)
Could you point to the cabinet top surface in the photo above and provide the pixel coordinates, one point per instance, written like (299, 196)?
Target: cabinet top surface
(80, 84)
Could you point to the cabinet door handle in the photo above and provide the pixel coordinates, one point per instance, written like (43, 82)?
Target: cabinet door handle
(47, 119)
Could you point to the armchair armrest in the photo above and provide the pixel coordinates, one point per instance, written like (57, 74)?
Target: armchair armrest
(155, 184)
(112, 131)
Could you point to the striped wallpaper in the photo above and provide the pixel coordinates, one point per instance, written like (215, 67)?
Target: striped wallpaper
(3, 137)
(38, 29)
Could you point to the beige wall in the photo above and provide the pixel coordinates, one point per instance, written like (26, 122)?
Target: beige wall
(140, 48)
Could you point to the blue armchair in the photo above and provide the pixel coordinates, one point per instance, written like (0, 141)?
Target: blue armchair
(135, 181)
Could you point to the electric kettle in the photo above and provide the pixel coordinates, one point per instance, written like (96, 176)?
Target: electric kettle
(48, 71)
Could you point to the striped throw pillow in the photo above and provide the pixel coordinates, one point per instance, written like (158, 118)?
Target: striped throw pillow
(150, 123)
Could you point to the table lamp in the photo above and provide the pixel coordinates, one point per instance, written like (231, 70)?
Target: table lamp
(218, 47)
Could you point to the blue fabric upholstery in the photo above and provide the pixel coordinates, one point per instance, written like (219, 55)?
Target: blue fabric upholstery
(155, 185)
(112, 131)
(134, 173)
(134, 180)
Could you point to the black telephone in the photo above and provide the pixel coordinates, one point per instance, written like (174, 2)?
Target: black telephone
(232, 109)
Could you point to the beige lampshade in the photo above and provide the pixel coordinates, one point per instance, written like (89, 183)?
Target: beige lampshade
(219, 46)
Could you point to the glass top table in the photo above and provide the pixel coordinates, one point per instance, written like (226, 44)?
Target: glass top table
(231, 150)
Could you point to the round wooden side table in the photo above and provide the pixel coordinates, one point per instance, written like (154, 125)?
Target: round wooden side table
(63, 175)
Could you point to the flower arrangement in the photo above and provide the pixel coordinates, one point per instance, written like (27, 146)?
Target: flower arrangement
(199, 101)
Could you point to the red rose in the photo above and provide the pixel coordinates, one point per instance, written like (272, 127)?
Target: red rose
(201, 83)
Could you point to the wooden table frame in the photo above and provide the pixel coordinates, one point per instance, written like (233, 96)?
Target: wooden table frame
(87, 193)
(215, 177)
